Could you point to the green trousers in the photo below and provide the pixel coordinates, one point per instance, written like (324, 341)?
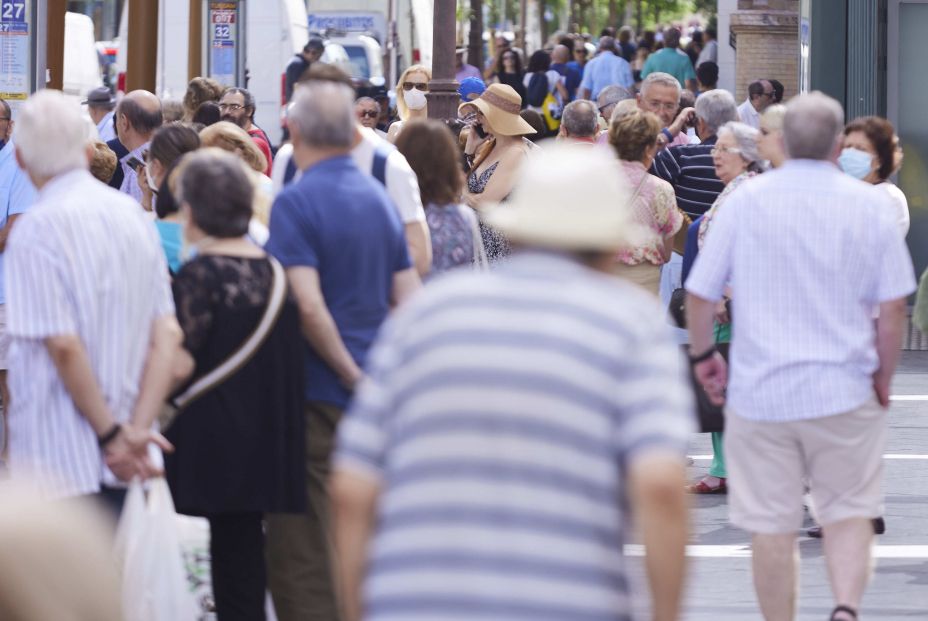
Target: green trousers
(717, 469)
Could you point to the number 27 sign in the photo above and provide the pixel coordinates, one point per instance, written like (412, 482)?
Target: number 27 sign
(13, 11)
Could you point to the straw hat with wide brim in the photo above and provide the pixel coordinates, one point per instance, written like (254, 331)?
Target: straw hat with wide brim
(501, 104)
(569, 197)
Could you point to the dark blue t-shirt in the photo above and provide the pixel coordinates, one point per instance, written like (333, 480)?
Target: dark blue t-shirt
(572, 78)
(340, 221)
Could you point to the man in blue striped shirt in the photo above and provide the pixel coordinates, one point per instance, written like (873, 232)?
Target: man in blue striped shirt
(689, 168)
(508, 422)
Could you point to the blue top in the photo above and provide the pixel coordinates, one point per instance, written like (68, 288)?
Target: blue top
(340, 221)
(17, 194)
(672, 61)
(691, 249)
(170, 234)
(605, 70)
(572, 77)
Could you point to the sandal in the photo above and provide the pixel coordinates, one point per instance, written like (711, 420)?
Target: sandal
(846, 609)
(703, 488)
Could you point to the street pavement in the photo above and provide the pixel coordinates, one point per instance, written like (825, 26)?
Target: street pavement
(719, 584)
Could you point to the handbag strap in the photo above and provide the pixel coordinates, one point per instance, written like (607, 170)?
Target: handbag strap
(246, 351)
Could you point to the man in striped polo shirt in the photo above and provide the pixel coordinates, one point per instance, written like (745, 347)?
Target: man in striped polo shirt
(689, 168)
(508, 422)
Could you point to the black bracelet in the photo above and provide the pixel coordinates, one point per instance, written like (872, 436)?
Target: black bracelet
(704, 356)
(110, 435)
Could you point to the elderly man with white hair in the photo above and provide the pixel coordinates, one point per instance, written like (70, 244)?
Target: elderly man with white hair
(809, 253)
(342, 243)
(91, 317)
(660, 93)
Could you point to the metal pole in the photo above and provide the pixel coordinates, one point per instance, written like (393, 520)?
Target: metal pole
(141, 66)
(40, 24)
(195, 40)
(443, 89)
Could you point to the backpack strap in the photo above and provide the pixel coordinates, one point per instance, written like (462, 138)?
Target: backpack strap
(379, 168)
(290, 171)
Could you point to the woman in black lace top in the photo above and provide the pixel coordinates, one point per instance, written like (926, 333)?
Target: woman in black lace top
(239, 447)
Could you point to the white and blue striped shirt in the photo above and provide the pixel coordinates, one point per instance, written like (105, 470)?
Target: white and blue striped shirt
(499, 414)
(808, 252)
(83, 261)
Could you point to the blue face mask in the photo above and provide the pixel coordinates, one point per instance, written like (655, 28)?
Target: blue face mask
(855, 162)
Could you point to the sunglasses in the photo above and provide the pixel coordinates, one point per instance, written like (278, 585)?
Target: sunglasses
(419, 86)
(369, 114)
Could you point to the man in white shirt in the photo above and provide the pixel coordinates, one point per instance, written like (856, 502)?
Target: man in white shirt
(809, 253)
(379, 158)
(138, 115)
(760, 97)
(710, 48)
(91, 318)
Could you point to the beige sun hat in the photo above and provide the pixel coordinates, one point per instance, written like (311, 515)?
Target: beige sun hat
(501, 104)
(570, 197)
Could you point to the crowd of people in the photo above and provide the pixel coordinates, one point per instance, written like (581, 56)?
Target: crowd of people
(424, 369)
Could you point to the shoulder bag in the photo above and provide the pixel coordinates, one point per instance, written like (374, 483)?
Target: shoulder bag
(238, 358)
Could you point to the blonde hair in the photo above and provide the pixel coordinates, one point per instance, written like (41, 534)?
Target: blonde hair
(631, 135)
(401, 108)
(200, 90)
(103, 163)
(772, 118)
(230, 137)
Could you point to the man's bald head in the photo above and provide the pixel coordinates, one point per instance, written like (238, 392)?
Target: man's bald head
(142, 111)
(560, 54)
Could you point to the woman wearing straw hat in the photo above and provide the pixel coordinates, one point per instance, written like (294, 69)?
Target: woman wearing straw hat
(494, 169)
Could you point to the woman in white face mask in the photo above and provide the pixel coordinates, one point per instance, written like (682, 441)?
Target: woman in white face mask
(168, 144)
(411, 101)
(871, 153)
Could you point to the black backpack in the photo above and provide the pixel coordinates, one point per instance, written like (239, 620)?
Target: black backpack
(537, 89)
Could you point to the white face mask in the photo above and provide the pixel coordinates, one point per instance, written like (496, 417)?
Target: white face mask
(151, 182)
(415, 99)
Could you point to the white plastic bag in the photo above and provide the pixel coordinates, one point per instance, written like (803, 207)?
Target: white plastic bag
(154, 580)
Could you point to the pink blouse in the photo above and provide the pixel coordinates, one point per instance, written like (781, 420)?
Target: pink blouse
(654, 206)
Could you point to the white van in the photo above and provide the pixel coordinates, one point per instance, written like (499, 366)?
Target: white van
(275, 30)
(81, 73)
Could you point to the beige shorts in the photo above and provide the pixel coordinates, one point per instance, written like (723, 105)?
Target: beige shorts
(841, 455)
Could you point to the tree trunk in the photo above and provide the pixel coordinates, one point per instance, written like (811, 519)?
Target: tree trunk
(475, 38)
(542, 24)
(639, 16)
(613, 14)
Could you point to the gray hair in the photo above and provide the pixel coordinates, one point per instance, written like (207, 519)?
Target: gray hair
(812, 126)
(661, 78)
(580, 119)
(612, 95)
(367, 100)
(322, 114)
(51, 135)
(746, 138)
(716, 108)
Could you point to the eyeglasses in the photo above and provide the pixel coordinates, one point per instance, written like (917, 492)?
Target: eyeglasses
(368, 114)
(658, 105)
(733, 150)
(230, 107)
(419, 86)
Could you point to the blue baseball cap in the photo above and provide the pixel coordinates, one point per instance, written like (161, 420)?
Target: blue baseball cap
(471, 89)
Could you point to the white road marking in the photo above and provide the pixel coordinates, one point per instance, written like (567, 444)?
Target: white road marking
(744, 551)
(888, 456)
(908, 397)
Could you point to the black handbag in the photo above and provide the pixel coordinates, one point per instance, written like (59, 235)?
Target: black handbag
(711, 416)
